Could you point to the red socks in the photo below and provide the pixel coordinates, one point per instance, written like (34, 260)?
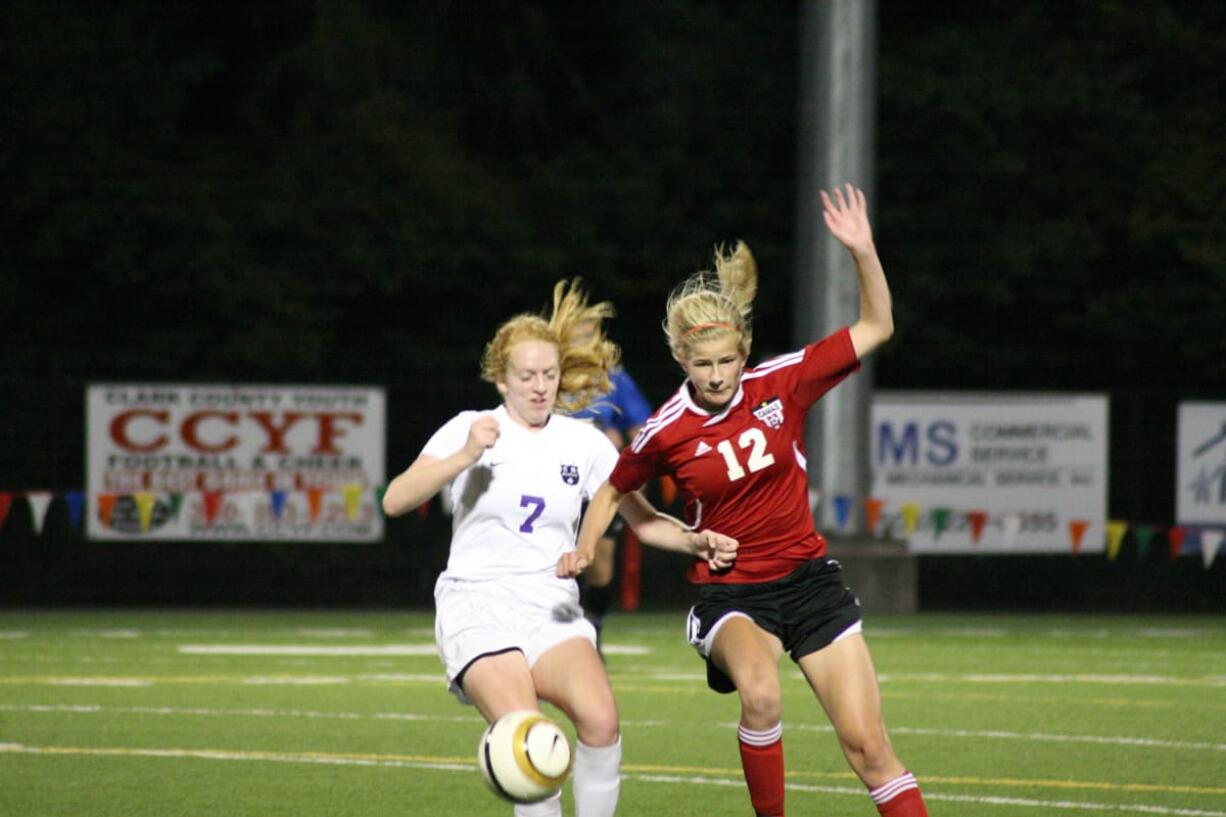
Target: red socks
(899, 797)
(762, 760)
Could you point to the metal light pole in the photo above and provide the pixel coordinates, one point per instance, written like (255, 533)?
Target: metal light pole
(837, 64)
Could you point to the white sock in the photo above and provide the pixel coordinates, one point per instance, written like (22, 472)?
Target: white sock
(546, 808)
(597, 779)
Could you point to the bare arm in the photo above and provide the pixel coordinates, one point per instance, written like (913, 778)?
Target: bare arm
(427, 474)
(654, 528)
(846, 216)
(596, 521)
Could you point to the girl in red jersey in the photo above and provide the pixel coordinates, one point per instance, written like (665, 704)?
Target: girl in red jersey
(733, 439)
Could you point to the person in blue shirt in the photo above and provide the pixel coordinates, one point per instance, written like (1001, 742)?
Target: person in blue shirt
(619, 414)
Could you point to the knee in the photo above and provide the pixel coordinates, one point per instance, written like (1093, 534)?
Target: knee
(869, 752)
(599, 726)
(761, 702)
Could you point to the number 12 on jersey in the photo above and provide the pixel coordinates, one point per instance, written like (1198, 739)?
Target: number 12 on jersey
(753, 441)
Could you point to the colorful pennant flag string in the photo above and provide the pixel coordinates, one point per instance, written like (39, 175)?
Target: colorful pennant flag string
(872, 513)
(842, 510)
(1143, 535)
(276, 503)
(1174, 540)
(353, 500)
(1115, 537)
(1010, 529)
(75, 500)
(1077, 531)
(212, 507)
(940, 520)
(910, 517)
(144, 509)
(315, 496)
(976, 520)
(1210, 541)
(39, 502)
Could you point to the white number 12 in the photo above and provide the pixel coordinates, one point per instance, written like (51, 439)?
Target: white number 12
(752, 439)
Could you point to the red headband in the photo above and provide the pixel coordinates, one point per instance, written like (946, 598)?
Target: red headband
(700, 326)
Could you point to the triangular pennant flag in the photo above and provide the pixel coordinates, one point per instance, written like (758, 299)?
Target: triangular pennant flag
(353, 500)
(423, 510)
(910, 517)
(1077, 531)
(842, 510)
(976, 519)
(39, 502)
(106, 506)
(1115, 537)
(1143, 534)
(246, 504)
(174, 505)
(1210, 541)
(315, 497)
(6, 502)
(940, 519)
(212, 506)
(668, 490)
(1010, 529)
(276, 502)
(75, 500)
(872, 513)
(144, 508)
(1174, 540)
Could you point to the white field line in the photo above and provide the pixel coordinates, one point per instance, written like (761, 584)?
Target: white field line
(468, 767)
(995, 678)
(622, 681)
(306, 649)
(1035, 678)
(973, 734)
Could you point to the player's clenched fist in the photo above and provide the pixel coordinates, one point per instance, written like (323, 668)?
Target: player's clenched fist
(482, 434)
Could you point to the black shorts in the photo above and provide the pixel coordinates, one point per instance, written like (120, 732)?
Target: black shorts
(806, 610)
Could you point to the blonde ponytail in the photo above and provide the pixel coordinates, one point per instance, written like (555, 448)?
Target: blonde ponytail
(707, 305)
(584, 362)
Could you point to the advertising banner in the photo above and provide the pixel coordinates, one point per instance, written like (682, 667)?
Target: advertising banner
(234, 462)
(1200, 479)
(1004, 472)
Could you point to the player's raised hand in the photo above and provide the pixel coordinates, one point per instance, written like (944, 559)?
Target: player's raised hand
(845, 212)
(482, 434)
(717, 549)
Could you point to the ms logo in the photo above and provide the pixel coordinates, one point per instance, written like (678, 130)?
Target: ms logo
(570, 474)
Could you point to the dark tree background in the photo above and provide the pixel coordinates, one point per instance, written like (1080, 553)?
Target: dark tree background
(356, 191)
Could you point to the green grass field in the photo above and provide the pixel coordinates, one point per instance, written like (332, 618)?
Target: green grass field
(127, 714)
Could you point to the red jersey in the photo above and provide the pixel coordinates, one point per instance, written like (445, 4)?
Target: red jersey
(742, 472)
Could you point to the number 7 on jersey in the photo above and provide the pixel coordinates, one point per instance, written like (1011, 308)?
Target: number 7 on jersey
(537, 504)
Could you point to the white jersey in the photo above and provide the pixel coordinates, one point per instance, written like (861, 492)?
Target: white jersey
(516, 510)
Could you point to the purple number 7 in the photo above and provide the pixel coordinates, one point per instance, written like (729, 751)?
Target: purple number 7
(538, 505)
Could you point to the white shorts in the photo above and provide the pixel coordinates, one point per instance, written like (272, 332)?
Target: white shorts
(527, 613)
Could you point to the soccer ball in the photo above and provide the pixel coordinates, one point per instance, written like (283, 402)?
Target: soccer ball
(524, 757)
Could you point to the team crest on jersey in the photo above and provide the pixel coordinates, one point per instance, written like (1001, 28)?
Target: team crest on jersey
(570, 474)
(770, 412)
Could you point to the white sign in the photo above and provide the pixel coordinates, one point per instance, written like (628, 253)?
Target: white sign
(1200, 474)
(998, 472)
(235, 462)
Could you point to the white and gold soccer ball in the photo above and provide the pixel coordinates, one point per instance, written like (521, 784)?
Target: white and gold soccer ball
(524, 757)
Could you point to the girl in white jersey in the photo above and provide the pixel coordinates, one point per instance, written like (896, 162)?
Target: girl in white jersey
(733, 439)
(508, 623)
